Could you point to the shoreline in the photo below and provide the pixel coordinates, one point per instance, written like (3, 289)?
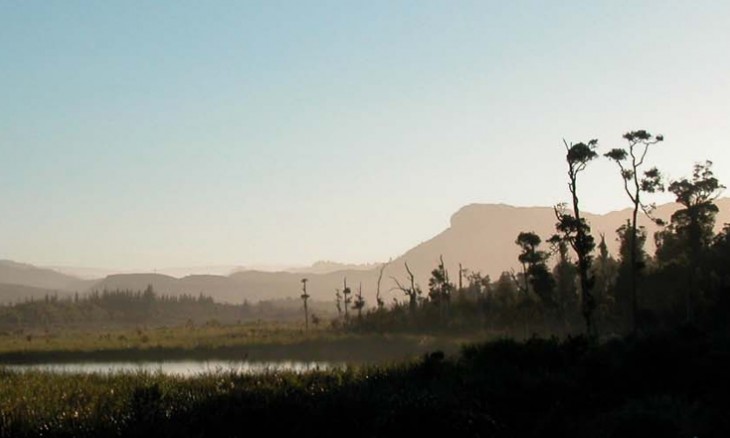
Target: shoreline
(375, 349)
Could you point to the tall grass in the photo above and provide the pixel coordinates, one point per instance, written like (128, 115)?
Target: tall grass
(255, 341)
(672, 384)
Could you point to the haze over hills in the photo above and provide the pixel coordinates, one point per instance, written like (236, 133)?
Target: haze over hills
(480, 237)
(42, 278)
(327, 266)
(90, 273)
(319, 267)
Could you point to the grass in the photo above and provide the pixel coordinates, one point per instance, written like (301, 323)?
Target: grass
(209, 336)
(253, 341)
(669, 385)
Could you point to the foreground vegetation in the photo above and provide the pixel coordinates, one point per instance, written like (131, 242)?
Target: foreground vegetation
(670, 384)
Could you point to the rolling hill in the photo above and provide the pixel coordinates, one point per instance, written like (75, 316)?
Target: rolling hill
(29, 275)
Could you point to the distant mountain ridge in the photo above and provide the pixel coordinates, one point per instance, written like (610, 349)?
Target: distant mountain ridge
(326, 267)
(28, 275)
(480, 237)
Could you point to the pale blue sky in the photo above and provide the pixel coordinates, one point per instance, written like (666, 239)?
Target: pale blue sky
(136, 135)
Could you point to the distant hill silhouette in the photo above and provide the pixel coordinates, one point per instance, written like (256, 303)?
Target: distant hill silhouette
(326, 267)
(29, 275)
(480, 236)
(240, 286)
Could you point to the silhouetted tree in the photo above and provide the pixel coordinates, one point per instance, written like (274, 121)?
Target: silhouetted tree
(633, 260)
(565, 274)
(505, 290)
(717, 263)
(378, 298)
(439, 287)
(528, 243)
(305, 297)
(536, 275)
(629, 161)
(605, 271)
(346, 300)
(413, 292)
(694, 223)
(338, 302)
(359, 302)
(461, 276)
(575, 230)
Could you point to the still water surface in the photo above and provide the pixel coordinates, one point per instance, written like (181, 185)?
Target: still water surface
(178, 368)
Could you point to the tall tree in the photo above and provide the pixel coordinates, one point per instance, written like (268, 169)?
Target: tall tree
(629, 161)
(632, 258)
(694, 223)
(536, 276)
(575, 230)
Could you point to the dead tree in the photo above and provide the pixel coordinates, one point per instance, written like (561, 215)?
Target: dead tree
(305, 297)
(378, 298)
(461, 275)
(359, 303)
(347, 299)
(413, 292)
(338, 303)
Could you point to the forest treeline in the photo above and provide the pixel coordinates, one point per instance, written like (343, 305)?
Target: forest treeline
(569, 282)
(125, 308)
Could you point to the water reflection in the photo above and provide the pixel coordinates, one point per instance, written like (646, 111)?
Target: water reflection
(178, 368)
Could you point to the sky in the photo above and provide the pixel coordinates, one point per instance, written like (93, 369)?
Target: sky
(142, 135)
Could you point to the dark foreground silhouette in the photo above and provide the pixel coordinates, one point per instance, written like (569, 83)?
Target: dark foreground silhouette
(667, 384)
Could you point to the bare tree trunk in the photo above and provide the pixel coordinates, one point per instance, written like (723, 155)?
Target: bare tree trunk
(305, 297)
(346, 298)
(634, 268)
(412, 295)
(378, 298)
(587, 302)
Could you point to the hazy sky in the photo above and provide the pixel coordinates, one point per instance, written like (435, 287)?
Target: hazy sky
(156, 134)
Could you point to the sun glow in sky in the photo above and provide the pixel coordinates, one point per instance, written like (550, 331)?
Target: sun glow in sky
(136, 135)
